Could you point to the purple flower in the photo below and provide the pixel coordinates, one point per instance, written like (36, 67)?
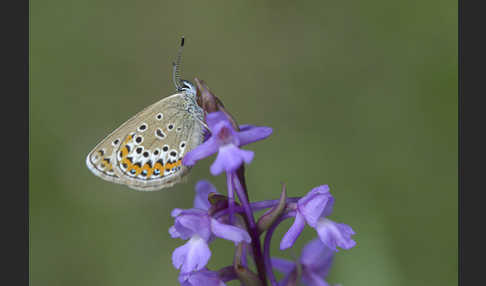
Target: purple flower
(226, 141)
(201, 277)
(312, 209)
(335, 234)
(203, 189)
(315, 260)
(199, 228)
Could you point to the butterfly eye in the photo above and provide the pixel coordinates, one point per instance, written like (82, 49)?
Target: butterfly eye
(188, 86)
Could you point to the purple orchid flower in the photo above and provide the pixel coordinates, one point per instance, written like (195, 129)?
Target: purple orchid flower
(197, 226)
(224, 218)
(226, 141)
(203, 189)
(201, 277)
(315, 262)
(312, 210)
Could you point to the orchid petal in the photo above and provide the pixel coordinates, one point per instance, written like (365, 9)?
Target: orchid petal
(320, 190)
(203, 189)
(253, 134)
(229, 159)
(229, 232)
(245, 127)
(316, 256)
(202, 277)
(314, 208)
(335, 234)
(213, 118)
(283, 265)
(294, 231)
(173, 232)
(193, 255)
(202, 151)
(175, 212)
(192, 221)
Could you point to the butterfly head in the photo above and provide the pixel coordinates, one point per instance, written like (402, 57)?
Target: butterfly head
(187, 86)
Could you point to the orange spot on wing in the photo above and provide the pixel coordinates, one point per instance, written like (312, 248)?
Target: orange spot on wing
(126, 161)
(107, 165)
(158, 166)
(129, 137)
(172, 165)
(124, 151)
(137, 169)
(149, 170)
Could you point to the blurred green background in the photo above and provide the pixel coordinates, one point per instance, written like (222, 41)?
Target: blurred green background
(362, 95)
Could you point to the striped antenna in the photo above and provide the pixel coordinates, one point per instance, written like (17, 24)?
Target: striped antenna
(176, 67)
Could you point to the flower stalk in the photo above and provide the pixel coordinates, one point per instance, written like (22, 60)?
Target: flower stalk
(252, 227)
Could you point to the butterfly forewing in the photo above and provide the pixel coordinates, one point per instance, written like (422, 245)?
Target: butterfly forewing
(145, 153)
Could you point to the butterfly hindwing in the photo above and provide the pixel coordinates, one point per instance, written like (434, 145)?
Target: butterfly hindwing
(145, 152)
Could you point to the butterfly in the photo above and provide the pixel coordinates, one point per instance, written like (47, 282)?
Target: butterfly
(145, 153)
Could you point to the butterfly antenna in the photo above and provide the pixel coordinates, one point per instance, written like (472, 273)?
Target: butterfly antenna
(176, 67)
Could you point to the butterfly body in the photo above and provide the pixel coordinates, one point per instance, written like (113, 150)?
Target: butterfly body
(145, 153)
